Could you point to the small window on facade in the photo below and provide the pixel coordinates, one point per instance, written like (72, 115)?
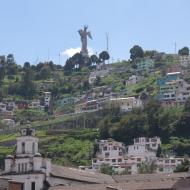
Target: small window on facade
(33, 148)
(23, 147)
(26, 167)
(119, 160)
(22, 167)
(107, 154)
(19, 168)
(105, 148)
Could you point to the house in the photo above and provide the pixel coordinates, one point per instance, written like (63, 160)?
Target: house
(125, 104)
(10, 123)
(132, 80)
(144, 148)
(22, 104)
(145, 65)
(66, 101)
(184, 60)
(35, 104)
(4, 184)
(173, 90)
(2, 107)
(11, 106)
(98, 73)
(109, 152)
(47, 99)
(168, 165)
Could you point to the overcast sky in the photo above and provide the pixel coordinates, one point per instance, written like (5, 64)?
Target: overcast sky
(38, 30)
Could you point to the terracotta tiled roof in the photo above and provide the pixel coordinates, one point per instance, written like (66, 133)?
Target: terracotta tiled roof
(138, 182)
(147, 177)
(78, 175)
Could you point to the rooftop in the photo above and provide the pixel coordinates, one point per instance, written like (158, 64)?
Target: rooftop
(79, 175)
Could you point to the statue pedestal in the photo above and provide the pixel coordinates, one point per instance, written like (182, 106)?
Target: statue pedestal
(84, 53)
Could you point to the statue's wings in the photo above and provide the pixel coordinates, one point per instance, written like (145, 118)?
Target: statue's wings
(89, 35)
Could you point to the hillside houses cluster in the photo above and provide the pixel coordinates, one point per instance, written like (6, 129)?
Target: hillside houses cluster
(173, 89)
(8, 108)
(126, 159)
(27, 169)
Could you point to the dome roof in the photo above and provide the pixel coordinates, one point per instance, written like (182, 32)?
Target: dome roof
(9, 157)
(37, 155)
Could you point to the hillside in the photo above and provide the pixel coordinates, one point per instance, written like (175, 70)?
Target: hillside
(68, 126)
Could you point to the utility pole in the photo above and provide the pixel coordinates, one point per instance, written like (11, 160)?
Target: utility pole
(59, 58)
(107, 43)
(175, 47)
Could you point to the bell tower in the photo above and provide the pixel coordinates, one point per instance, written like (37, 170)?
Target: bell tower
(27, 143)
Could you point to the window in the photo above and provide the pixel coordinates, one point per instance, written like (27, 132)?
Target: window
(19, 168)
(154, 145)
(107, 154)
(172, 161)
(33, 148)
(119, 160)
(23, 147)
(33, 186)
(22, 167)
(25, 166)
(113, 160)
(120, 153)
(115, 147)
(105, 148)
(138, 159)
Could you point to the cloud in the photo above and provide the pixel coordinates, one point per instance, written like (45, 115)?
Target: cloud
(71, 51)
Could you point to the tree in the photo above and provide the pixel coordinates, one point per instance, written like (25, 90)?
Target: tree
(187, 105)
(26, 66)
(150, 53)
(27, 87)
(147, 167)
(45, 72)
(106, 169)
(153, 109)
(2, 73)
(184, 166)
(184, 51)
(136, 52)
(159, 151)
(104, 55)
(94, 59)
(78, 59)
(69, 65)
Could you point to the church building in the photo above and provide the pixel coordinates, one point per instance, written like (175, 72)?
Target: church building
(27, 166)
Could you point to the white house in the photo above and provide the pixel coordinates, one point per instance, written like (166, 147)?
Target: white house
(167, 165)
(10, 123)
(2, 107)
(47, 98)
(110, 152)
(184, 60)
(132, 80)
(125, 104)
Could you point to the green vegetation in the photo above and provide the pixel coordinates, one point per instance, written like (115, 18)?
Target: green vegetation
(69, 139)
